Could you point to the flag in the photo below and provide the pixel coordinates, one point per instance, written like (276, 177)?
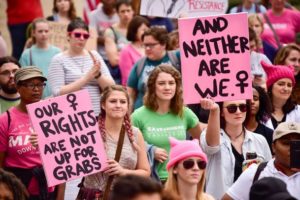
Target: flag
(89, 5)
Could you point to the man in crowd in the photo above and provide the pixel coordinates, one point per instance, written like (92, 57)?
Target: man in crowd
(279, 167)
(8, 93)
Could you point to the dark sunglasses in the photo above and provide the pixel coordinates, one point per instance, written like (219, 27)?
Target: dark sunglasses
(79, 35)
(189, 164)
(233, 108)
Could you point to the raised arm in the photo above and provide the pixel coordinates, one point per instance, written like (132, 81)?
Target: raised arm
(111, 47)
(213, 125)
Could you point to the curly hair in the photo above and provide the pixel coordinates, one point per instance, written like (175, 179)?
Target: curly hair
(14, 185)
(127, 122)
(159, 33)
(176, 105)
(265, 107)
(284, 52)
(72, 11)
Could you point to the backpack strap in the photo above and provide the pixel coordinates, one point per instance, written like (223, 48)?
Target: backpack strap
(174, 59)
(257, 8)
(8, 120)
(260, 168)
(30, 57)
(140, 65)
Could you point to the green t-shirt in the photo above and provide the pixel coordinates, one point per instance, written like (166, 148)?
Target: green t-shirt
(6, 103)
(157, 129)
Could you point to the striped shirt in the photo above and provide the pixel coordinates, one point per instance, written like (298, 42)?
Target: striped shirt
(65, 69)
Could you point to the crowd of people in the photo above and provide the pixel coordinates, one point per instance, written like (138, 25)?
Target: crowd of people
(157, 147)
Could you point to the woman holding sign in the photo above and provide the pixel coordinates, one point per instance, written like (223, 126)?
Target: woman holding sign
(226, 143)
(78, 68)
(16, 153)
(164, 115)
(133, 159)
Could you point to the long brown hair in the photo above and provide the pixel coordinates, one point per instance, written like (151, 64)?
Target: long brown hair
(284, 52)
(127, 122)
(72, 11)
(176, 105)
(172, 184)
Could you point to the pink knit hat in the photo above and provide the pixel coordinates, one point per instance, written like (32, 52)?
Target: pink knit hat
(181, 150)
(276, 72)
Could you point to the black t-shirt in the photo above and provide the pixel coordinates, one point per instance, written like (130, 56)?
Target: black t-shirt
(276, 123)
(266, 132)
(238, 167)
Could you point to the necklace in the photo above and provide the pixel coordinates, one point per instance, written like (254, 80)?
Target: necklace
(79, 62)
(236, 137)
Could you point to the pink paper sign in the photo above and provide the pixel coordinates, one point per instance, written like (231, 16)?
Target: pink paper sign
(68, 137)
(215, 58)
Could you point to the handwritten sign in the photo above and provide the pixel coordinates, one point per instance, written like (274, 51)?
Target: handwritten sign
(183, 8)
(215, 58)
(68, 137)
(58, 36)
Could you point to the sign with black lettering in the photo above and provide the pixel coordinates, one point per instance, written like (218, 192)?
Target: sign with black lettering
(215, 58)
(68, 137)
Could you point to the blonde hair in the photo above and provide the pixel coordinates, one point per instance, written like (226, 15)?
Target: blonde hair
(251, 19)
(172, 184)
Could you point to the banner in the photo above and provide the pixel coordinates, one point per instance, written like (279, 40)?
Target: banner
(68, 137)
(215, 58)
(183, 8)
(58, 36)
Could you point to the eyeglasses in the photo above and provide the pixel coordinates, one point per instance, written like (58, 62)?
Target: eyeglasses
(189, 164)
(31, 86)
(79, 35)
(8, 73)
(150, 45)
(233, 108)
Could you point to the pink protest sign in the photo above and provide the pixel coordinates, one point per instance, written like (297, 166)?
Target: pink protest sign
(215, 58)
(68, 137)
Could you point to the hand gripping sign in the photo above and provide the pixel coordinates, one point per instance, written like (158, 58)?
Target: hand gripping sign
(68, 137)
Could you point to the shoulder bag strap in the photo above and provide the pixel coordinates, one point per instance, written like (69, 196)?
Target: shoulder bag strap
(260, 168)
(93, 57)
(117, 158)
(8, 120)
(272, 28)
(30, 57)
(140, 66)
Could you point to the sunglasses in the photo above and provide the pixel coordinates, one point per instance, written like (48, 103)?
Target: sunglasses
(189, 164)
(79, 35)
(233, 108)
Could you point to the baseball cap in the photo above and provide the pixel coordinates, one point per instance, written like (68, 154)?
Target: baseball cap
(286, 128)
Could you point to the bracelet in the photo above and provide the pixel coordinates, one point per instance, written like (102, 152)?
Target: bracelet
(98, 75)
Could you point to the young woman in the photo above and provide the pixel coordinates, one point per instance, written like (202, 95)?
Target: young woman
(226, 143)
(76, 68)
(133, 160)
(63, 11)
(155, 41)
(134, 51)
(280, 85)
(260, 112)
(41, 52)
(164, 115)
(15, 125)
(186, 168)
(290, 55)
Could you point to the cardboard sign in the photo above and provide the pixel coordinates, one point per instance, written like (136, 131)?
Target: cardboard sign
(68, 137)
(58, 36)
(215, 58)
(183, 8)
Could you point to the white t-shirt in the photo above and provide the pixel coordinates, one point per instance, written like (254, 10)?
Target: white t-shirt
(241, 188)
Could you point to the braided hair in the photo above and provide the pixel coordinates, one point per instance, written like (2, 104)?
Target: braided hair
(126, 123)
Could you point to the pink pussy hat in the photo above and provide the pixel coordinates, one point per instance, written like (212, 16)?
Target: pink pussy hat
(181, 150)
(276, 72)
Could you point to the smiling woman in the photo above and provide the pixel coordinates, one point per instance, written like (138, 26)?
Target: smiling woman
(164, 115)
(16, 153)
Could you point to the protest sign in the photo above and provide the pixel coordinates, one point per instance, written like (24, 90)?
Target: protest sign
(68, 137)
(183, 8)
(215, 58)
(58, 36)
